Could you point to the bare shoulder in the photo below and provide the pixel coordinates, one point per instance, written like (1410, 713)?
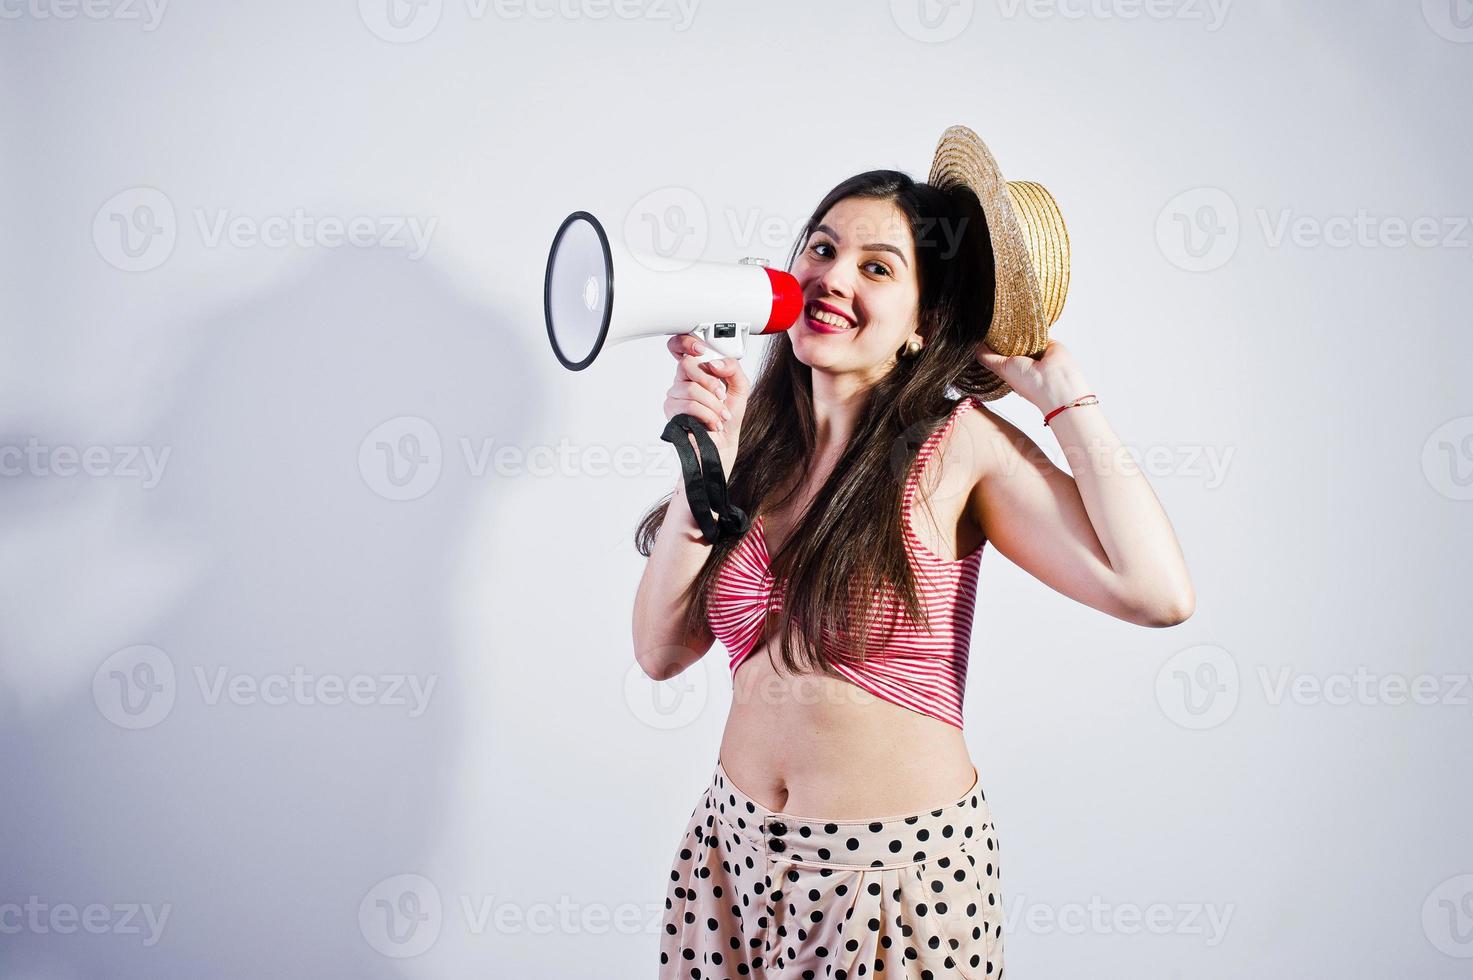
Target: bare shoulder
(990, 443)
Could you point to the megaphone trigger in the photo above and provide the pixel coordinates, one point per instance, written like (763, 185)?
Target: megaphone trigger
(722, 340)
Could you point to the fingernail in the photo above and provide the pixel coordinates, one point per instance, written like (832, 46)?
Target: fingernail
(720, 426)
(725, 414)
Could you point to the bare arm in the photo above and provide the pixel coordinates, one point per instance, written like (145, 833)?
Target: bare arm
(660, 646)
(1099, 536)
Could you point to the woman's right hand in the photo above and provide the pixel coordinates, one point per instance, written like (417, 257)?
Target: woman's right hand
(716, 394)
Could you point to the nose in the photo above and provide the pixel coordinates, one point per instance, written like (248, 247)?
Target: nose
(835, 280)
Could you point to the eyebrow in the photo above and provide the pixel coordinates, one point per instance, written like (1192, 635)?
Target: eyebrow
(872, 247)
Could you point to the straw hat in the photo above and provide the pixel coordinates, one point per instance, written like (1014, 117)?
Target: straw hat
(1030, 251)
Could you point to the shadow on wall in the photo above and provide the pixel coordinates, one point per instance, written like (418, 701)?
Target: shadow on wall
(300, 755)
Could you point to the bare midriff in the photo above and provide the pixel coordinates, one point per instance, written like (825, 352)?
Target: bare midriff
(817, 746)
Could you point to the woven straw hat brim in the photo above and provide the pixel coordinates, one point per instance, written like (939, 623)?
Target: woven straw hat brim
(1030, 249)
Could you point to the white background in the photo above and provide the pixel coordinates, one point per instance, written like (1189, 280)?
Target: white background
(1127, 768)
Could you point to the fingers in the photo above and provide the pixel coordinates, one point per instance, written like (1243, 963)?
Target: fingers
(694, 400)
(724, 377)
(701, 373)
(681, 344)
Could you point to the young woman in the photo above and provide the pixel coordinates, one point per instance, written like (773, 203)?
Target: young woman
(844, 832)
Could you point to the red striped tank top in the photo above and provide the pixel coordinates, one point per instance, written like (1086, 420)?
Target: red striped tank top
(920, 670)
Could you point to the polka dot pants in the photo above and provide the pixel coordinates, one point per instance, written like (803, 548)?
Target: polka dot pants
(759, 894)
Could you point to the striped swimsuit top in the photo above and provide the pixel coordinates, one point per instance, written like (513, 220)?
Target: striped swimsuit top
(925, 671)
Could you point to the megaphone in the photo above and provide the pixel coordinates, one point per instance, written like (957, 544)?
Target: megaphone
(722, 303)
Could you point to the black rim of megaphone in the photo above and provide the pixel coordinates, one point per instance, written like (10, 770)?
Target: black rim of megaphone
(603, 328)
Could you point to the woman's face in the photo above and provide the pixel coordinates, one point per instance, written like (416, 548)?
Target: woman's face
(859, 263)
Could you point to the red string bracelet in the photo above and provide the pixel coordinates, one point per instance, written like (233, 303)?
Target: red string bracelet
(1081, 400)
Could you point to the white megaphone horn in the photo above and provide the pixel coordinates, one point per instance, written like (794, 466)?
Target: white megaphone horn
(722, 303)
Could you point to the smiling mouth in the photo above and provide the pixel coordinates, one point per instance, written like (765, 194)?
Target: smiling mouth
(828, 319)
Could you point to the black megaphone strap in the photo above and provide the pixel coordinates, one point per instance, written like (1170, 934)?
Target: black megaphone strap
(705, 481)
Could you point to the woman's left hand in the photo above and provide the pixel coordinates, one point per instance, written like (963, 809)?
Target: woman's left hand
(1048, 381)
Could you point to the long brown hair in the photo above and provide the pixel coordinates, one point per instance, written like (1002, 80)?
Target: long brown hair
(848, 545)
